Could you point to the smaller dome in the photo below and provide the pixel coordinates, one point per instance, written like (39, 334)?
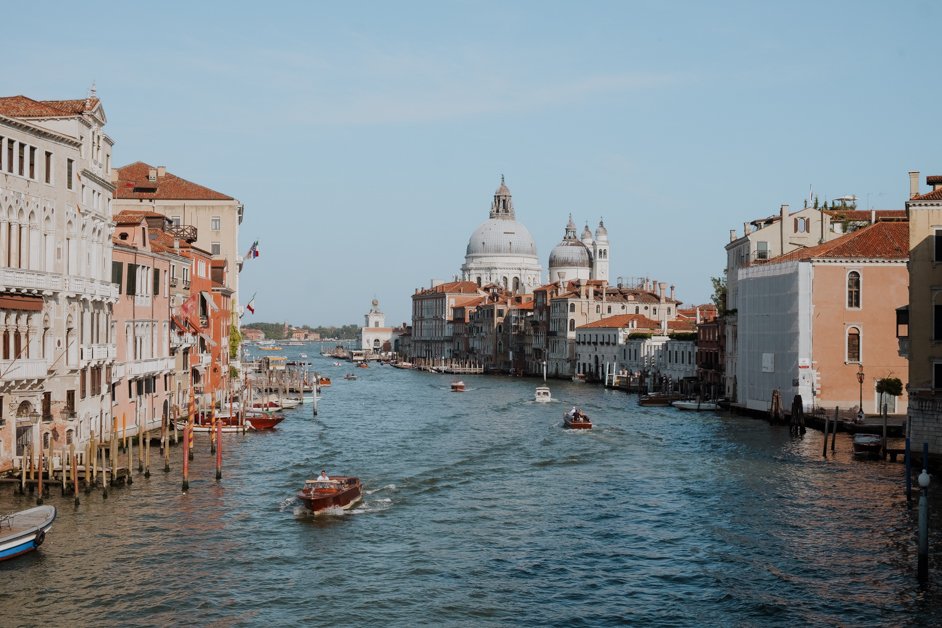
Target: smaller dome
(586, 233)
(601, 233)
(570, 254)
(375, 302)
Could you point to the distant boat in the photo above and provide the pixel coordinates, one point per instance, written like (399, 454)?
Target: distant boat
(302, 355)
(457, 386)
(349, 376)
(577, 420)
(22, 532)
(542, 394)
(867, 445)
(658, 399)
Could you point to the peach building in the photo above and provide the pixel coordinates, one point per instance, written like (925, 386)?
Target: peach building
(812, 320)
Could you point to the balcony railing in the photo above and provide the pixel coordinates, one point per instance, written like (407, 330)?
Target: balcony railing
(173, 282)
(12, 370)
(183, 232)
(18, 278)
(152, 366)
(91, 287)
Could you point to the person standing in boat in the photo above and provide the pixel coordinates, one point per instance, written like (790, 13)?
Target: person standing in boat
(323, 476)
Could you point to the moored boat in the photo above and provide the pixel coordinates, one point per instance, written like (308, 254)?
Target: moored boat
(337, 492)
(264, 420)
(695, 405)
(658, 399)
(576, 419)
(457, 386)
(867, 445)
(542, 394)
(22, 532)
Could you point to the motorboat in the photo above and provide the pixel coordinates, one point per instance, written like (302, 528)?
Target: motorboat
(362, 365)
(349, 376)
(576, 419)
(695, 405)
(542, 394)
(263, 420)
(302, 355)
(22, 532)
(323, 381)
(658, 399)
(457, 386)
(337, 492)
(868, 445)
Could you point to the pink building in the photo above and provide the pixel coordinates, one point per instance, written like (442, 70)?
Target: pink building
(821, 322)
(143, 371)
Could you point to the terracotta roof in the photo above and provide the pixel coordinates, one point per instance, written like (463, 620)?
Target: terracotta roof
(468, 301)
(864, 215)
(623, 320)
(934, 179)
(460, 287)
(133, 184)
(23, 107)
(934, 195)
(882, 240)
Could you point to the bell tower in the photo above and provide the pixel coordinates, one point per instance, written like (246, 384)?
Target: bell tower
(600, 253)
(502, 206)
(375, 318)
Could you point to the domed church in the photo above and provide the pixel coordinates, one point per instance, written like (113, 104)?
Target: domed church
(580, 258)
(501, 250)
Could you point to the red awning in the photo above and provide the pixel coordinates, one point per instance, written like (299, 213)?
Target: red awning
(21, 302)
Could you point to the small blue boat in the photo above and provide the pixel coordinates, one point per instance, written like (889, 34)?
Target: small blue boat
(22, 532)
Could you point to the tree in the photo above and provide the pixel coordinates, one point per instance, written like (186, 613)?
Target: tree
(235, 341)
(889, 386)
(719, 294)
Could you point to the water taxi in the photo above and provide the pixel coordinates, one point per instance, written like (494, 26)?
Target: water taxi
(457, 386)
(542, 394)
(337, 492)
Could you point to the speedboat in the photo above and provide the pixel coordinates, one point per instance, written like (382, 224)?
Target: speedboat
(542, 394)
(457, 386)
(695, 405)
(349, 376)
(577, 420)
(323, 381)
(867, 445)
(362, 365)
(22, 532)
(338, 492)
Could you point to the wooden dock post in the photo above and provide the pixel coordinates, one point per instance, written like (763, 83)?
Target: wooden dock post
(218, 450)
(127, 478)
(140, 450)
(147, 457)
(834, 433)
(167, 456)
(74, 455)
(39, 495)
(883, 448)
(104, 470)
(824, 452)
(63, 459)
(23, 470)
(113, 452)
(186, 458)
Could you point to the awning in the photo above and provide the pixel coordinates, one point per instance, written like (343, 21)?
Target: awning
(210, 341)
(23, 303)
(209, 301)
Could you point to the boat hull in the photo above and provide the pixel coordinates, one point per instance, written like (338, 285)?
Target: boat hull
(867, 445)
(266, 422)
(24, 531)
(702, 406)
(343, 499)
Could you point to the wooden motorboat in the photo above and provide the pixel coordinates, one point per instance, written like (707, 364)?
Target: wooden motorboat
(362, 365)
(349, 376)
(867, 445)
(542, 394)
(263, 420)
(658, 399)
(457, 386)
(337, 492)
(22, 532)
(577, 420)
(323, 381)
(695, 405)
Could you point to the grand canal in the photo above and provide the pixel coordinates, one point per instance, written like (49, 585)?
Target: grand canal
(480, 509)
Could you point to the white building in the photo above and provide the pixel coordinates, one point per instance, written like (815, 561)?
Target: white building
(501, 250)
(374, 334)
(56, 333)
(582, 259)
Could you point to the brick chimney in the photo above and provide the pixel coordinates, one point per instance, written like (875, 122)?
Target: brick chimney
(662, 291)
(161, 171)
(913, 183)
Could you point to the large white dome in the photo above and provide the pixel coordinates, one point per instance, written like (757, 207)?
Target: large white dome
(501, 237)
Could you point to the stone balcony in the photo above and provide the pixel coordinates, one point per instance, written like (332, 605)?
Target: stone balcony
(146, 368)
(99, 352)
(14, 370)
(142, 300)
(92, 288)
(20, 280)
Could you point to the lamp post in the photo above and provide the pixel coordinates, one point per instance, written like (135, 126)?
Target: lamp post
(860, 381)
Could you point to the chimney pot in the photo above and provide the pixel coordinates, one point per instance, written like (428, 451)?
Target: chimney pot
(161, 171)
(672, 293)
(784, 209)
(745, 228)
(913, 183)
(151, 174)
(732, 235)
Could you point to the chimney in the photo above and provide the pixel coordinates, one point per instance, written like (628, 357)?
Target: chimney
(152, 174)
(161, 171)
(732, 235)
(745, 228)
(672, 293)
(873, 216)
(662, 290)
(783, 210)
(913, 183)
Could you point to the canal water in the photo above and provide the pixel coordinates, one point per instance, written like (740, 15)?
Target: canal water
(481, 510)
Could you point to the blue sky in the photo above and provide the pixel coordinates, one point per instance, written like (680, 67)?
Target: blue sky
(367, 139)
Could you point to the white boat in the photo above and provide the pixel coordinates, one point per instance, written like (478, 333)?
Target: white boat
(24, 531)
(697, 406)
(542, 394)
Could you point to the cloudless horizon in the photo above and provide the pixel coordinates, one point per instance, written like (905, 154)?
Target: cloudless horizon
(366, 140)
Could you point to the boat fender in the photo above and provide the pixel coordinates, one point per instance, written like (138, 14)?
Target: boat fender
(40, 537)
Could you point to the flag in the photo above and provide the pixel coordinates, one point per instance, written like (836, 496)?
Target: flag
(253, 251)
(250, 306)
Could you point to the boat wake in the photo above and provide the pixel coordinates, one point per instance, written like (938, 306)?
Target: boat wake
(389, 487)
(373, 505)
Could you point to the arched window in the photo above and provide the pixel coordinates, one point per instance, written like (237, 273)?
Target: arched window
(572, 307)
(572, 324)
(853, 344)
(853, 289)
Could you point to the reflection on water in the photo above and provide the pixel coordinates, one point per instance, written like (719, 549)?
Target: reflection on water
(479, 508)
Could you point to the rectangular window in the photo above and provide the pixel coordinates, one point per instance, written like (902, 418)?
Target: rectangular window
(938, 245)
(69, 173)
(116, 270)
(762, 250)
(215, 223)
(215, 248)
(156, 282)
(132, 279)
(10, 150)
(47, 406)
(32, 162)
(48, 165)
(175, 221)
(937, 322)
(21, 155)
(70, 402)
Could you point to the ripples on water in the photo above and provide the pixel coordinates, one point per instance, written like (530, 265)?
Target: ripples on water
(479, 508)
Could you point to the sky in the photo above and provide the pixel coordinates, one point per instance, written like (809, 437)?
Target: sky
(366, 139)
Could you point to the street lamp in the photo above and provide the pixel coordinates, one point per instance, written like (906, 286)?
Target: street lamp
(860, 380)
